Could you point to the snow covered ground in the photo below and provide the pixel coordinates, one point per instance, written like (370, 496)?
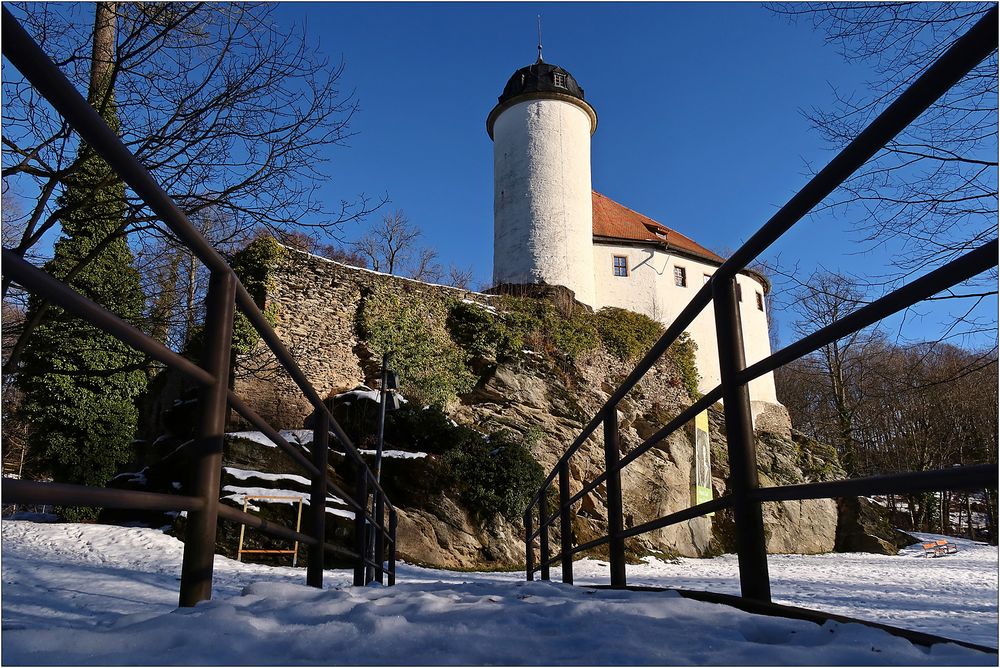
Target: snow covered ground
(90, 594)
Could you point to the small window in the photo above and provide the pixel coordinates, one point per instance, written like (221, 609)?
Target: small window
(760, 302)
(706, 278)
(739, 292)
(621, 265)
(680, 277)
(559, 79)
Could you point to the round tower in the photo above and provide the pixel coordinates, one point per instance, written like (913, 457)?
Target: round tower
(542, 207)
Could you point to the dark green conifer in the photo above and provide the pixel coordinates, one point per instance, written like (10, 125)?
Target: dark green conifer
(80, 383)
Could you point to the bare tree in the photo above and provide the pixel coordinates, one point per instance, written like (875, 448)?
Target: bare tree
(390, 243)
(459, 277)
(931, 193)
(233, 115)
(824, 299)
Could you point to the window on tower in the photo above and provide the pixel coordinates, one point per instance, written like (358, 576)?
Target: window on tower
(760, 302)
(621, 265)
(559, 79)
(680, 277)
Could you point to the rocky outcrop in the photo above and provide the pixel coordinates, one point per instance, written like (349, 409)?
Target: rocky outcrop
(865, 527)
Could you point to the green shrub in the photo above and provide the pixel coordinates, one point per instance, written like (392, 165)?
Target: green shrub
(483, 332)
(539, 324)
(490, 475)
(495, 475)
(681, 353)
(627, 335)
(411, 327)
(253, 265)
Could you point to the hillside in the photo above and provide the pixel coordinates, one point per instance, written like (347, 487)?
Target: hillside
(494, 383)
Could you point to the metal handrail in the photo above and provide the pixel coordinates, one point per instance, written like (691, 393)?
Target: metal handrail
(225, 293)
(746, 497)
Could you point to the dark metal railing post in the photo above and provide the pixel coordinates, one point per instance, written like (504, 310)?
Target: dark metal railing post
(750, 540)
(529, 551)
(565, 525)
(393, 520)
(379, 530)
(543, 533)
(317, 500)
(360, 523)
(199, 543)
(616, 544)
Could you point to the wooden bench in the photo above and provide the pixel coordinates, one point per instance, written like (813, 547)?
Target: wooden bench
(939, 548)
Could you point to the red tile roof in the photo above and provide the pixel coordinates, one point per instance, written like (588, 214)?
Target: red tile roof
(612, 220)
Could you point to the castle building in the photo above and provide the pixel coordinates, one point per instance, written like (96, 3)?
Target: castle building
(551, 227)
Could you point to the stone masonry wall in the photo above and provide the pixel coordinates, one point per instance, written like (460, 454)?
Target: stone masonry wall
(316, 302)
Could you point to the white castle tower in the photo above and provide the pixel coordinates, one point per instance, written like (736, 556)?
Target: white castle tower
(542, 200)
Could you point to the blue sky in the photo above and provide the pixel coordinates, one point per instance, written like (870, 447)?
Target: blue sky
(699, 106)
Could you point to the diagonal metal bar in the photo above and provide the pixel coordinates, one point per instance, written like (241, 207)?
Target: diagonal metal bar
(958, 270)
(45, 285)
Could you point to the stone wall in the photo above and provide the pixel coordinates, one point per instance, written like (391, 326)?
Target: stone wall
(315, 301)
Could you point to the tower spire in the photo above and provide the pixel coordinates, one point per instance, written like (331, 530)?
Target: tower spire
(539, 38)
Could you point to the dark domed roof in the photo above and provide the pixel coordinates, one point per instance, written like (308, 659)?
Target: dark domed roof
(538, 78)
(543, 81)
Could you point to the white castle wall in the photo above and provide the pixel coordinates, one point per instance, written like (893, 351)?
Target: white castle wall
(543, 215)
(650, 289)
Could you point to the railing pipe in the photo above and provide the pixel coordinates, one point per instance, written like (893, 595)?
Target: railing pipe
(968, 51)
(543, 536)
(379, 538)
(565, 524)
(317, 501)
(974, 477)
(393, 521)
(673, 332)
(712, 506)
(256, 420)
(961, 57)
(360, 522)
(64, 494)
(963, 268)
(230, 514)
(199, 544)
(45, 285)
(529, 550)
(616, 544)
(750, 547)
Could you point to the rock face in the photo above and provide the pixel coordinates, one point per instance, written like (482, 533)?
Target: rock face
(316, 304)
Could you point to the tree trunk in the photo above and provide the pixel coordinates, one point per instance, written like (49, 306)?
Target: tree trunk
(103, 55)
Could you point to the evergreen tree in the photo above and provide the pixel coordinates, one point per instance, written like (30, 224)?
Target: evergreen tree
(80, 383)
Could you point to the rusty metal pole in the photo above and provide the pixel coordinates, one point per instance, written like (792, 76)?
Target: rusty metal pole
(199, 542)
(529, 551)
(565, 524)
(317, 500)
(750, 546)
(543, 532)
(616, 544)
(393, 521)
(360, 522)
